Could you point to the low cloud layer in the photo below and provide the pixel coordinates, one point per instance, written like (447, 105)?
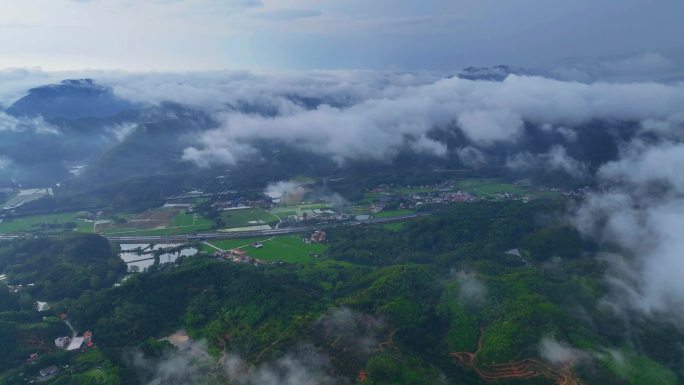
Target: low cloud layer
(305, 366)
(560, 353)
(4, 162)
(642, 211)
(556, 159)
(343, 335)
(33, 124)
(642, 66)
(286, 191)
(121, 131)
(352, 332)
(192, 364)
(375, 115)
(378, 124)
(471, 290)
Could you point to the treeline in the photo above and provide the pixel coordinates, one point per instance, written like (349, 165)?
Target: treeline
(465, 231)
(60, 268)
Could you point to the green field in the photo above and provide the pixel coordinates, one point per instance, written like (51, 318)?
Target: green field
(36, 223)
(183, 223)
(396, 226)
(164, 231)
(184, 219)
(392, 213)
(488, 188)
(290, 249)
(368, 198)
(313, 206)
(243, 217)
(284, 212)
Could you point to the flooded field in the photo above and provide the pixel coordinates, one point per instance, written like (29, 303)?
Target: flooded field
(140, 256)
(171, 257)
(140, 266)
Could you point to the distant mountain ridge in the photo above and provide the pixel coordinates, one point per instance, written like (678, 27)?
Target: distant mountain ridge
(70, 99)
(497, 73)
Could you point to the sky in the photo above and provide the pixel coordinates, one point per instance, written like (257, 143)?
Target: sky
(443, 35)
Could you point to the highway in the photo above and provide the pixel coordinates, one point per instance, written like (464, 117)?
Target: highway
(184, 238)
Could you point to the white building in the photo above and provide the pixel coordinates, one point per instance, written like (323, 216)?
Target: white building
(76, 343)
(62, 342)
(41, 306)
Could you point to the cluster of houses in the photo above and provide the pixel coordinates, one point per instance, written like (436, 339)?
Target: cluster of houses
(14, 288)
(45, 373)
(317, 214)
(69, 344)
(442, 197)
(318, 236)
(242, 203)
(76, 343)
(18, 288)
(577, 193)
(426, 194)
(436, 186)
(239, 255)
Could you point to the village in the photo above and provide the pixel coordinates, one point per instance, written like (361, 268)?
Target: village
(197, 211)
(74, 343)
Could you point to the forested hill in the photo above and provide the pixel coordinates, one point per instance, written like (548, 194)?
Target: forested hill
(60, 268)
(386, 304)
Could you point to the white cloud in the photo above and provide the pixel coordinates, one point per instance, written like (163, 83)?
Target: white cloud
(641, 66)
(556, 159)
(472, 157)
(486, 127)
(4, 162)
(192, 363)
(245, 3)
(560, 353)
(642, 212)
(122, 131)
(287, 191)
(288, 14)
(471, 290)
(376, 123)
(34, 124)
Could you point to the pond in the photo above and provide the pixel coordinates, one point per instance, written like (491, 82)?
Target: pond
(138, 261)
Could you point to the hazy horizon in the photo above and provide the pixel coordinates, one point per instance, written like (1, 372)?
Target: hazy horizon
(439, 35)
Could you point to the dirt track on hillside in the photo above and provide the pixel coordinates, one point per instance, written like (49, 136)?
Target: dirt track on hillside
(519, 370)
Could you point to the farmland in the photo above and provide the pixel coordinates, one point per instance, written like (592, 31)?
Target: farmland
(290, 249)
(247, 217)
(160, 222)
(175, 221)
(54, 222)
(392, 213)
(489, 188)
